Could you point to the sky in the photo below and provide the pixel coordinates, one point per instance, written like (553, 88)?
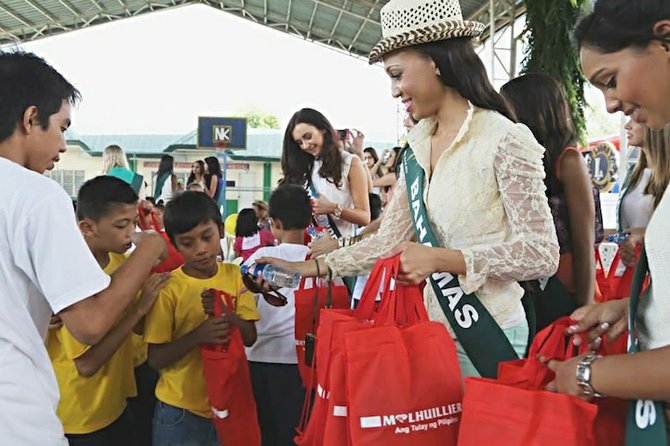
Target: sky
(156, 73)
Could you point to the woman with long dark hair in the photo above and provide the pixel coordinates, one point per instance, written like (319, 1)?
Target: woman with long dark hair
(336, 179)
(166, 181)
(470, 186)
(539, 102)
(197, 175)
(213, 178)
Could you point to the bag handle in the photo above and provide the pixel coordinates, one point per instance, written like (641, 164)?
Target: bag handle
(380, 277)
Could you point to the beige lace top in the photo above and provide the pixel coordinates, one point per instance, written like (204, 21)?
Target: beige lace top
(485, 198)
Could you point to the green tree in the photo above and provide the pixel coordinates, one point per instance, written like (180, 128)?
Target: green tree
(257, 119)
(550, 50)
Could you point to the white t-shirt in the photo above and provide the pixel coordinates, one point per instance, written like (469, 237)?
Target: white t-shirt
(654, 312)
(45, 266)
(276, 329)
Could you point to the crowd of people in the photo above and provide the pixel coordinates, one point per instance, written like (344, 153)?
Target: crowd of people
(106, 312)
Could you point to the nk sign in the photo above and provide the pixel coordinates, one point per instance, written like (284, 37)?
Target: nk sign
(222, 133)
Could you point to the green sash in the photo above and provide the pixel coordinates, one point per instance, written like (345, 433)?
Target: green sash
(645, 424)
(480, 335)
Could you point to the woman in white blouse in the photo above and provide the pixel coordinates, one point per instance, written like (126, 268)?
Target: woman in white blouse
(484, 190)
(337, 179)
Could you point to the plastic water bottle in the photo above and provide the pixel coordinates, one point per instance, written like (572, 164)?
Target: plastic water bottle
(274, 275)
(618, 238)
(315, 233)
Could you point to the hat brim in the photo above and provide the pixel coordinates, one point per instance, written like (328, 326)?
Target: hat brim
(449, 29)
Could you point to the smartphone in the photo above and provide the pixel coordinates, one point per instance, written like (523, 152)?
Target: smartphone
(343, 134)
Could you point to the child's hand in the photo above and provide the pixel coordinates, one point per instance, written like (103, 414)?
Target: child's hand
(214, 330)
(150, 291)
(207, 297)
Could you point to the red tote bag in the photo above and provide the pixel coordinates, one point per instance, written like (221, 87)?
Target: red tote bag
(515, 408)
(403, 379)
(229, 385)
(328, 410)
(173, 260)
(311, 296)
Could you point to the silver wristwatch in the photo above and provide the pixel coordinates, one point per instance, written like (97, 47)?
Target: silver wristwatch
(338, 211)
(584, 374)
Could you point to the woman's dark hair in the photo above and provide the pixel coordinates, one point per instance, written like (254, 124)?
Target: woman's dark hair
(372, 152)
(540, 104)
(462, 69)
(191, 176)
(297, 164)
(213, 169)
(165, 166)
(396, 160)
(617, 24)
(247, 223)
(188, 210)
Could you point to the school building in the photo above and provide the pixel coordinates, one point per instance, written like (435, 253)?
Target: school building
(252, 173)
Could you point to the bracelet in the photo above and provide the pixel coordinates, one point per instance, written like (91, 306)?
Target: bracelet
(583, 373)
(343, 242)
(337, 213)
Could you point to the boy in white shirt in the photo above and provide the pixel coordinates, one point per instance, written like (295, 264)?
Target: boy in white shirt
(45, 265)
(273, 361)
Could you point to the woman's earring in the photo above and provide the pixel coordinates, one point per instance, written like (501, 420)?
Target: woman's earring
(437, 72)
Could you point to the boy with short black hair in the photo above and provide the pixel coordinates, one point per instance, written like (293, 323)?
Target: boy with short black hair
(45, 266)
(177, 325)
(273, 361)
(95, 381)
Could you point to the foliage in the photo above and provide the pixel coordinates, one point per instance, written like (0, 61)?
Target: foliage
(257, 119)
(550, 50)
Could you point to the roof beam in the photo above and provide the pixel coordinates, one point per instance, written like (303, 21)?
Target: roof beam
(70, 8)
(97, 5)
(15, 16)
(360, 29)
(288, 13)
(311, 20)
(337, 22)
(43, 12)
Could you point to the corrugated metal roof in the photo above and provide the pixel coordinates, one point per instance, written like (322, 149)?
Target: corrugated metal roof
(348, 25)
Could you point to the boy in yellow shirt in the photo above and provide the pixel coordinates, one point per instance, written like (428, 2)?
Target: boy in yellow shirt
(177, 324)
(95, 381)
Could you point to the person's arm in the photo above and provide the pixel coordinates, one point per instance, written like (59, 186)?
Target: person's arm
(582, 213)
(211, 190)
(395, 227)
(387, 180)
(643, 375)
(531, 249)
(358, 185)
(90, 319)
(247, 328)
(96, 356)
(214, 330)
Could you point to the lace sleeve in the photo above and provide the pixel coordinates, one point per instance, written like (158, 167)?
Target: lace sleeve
(531, 249)
(396, 227)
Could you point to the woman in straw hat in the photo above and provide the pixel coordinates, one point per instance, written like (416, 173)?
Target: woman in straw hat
(480, 176)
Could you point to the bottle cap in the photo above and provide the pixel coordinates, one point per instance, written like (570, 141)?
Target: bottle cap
(244, 269)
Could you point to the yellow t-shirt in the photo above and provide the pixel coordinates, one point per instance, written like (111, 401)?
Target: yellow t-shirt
(89, 404)
(178, 311)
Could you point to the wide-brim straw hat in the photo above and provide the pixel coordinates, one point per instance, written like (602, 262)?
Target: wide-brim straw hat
(412, 22)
